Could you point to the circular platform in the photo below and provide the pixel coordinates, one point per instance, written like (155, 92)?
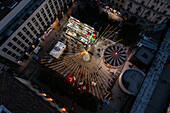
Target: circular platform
(115, 55)
(130, 80)
(86, 57)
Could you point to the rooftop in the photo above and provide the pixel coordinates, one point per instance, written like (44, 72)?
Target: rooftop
(6, 6)
(17, 98)
(144, 55)
(130, 80)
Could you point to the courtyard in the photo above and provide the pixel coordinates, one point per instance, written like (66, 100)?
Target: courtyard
(87, 66)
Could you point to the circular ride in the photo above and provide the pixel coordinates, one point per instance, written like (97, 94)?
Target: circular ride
(114, 56)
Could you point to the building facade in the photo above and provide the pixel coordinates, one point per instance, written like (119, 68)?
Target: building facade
(152, 14)
(21, 28)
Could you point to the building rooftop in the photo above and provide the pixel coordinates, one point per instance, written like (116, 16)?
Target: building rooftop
(144, 55)
(152, 77)
(11, 22)
(131, 80)
(6, 6)
(17, 98)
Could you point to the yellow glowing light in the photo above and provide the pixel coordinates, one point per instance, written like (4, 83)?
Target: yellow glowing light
(44, 94)
(26, 53)
(33, 46)
(63, 109)
(49, 99)
(19, 62)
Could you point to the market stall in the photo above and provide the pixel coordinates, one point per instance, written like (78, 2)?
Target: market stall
(58, 49)
(81, 32)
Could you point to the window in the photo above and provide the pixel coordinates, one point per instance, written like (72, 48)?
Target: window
(14, 47)
(27, 32)
(50, 15)
(32, 28)
(46, 6)
(29, 24)
(17, 57)
(164, 12)
(152, 6)
(168, 6)
(35, 32)
(156, 22)
(22, 45)
(19, 42)
(48, 11)
(19, 34)
(160, 17)
(33, 20)
(18, 50)
(29, 43)
(142, 2)
(9, 44)
(50, 2)
(26, 40)
(38, 15)
(46, 19)
(21, 52)
(148, 12)
(36, 23)
(139, 8)
(42, 10)
(4, 49)
(23, 37)
(31, 36)
(14, 39)
(13, 55)
(42, 23)
(40, 19)
(24, 29)
(130, 4)
(55, 3)
(25, 47)
(9, 52)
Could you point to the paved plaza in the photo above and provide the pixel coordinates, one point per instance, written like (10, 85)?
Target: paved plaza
(87, 72)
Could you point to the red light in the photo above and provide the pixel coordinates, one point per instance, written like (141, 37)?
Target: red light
(115, 54)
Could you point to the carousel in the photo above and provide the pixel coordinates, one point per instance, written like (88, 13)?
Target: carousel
(115, 56)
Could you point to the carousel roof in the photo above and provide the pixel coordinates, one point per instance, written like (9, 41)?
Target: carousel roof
(115, 55)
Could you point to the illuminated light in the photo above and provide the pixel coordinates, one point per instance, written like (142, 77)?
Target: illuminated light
(39, 38)
(19, 62)
(44, 94)
(26, 53)
(94, 35)
(115, 54)
(63, 109)
(33, 46)
(49, 99)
